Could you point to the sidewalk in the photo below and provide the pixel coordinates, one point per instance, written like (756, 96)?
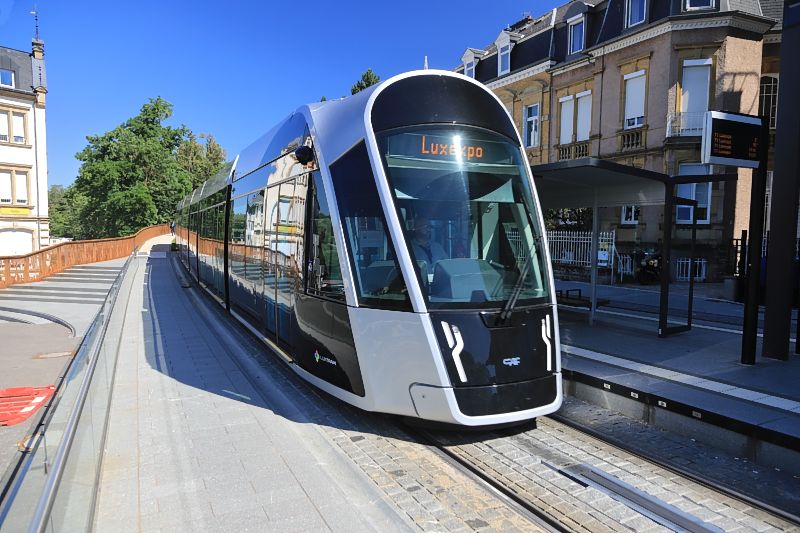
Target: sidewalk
(192, 445)
(697, 373)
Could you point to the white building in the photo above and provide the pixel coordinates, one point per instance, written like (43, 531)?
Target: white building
(24, 224)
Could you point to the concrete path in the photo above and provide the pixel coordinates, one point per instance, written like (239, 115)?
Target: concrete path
(192, 445)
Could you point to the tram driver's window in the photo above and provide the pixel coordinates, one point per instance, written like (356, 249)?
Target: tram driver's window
(377, 276)
(324, 275)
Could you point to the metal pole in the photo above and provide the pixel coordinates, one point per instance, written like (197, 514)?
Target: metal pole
(666, 261)
(595, 232)
(783, 219)
(757, 197)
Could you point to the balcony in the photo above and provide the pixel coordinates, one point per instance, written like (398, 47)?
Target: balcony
(685, 124)
(573, 151)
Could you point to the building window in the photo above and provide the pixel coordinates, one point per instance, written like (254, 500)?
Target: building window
(12, 127)
(576, 35)
(768, 99)
(699, 4)
(531, 125)
(630, 214)
(6, 77)
(18, 127)
(583, 124)
(20, 188)
(5, 187)
(469, 69)
(635, 10)
(701, 192)
(504, 60)
(13, 187)
(567, 116)
(634, 99)
(4, 127)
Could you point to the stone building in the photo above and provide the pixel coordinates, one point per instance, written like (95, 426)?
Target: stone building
(24, 224)
(630, 81)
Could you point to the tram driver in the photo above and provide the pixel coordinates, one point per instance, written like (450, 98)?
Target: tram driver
(425, 249)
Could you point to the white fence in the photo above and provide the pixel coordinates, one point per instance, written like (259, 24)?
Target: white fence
(574, 248)
(682, 269)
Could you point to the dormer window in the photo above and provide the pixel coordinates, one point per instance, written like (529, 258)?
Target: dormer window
(470, 61)
(577, 34)
(692, 5)
(6, 77)
(469, 69)
(635, 12)
(504, 43)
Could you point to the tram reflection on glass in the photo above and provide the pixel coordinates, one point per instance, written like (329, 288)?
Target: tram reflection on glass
(389, 246)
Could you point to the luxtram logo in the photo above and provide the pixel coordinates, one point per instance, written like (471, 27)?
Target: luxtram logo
(511, 361)
(318, 358)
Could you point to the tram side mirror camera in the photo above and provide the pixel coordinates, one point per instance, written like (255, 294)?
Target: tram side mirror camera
(304, 155)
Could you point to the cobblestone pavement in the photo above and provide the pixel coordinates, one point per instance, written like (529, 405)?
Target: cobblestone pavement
(773, 486)
(544, 466)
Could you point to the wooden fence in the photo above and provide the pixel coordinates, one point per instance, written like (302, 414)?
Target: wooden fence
(54, 259)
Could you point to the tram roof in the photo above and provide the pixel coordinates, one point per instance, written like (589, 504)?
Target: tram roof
(576, 183)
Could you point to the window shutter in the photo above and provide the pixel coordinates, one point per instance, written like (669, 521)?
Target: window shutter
(694, 89)
(18, 125)
(5, 187)
(4, 127)
(634, 101)
(567, 118)
(584, 117)
(21, 187)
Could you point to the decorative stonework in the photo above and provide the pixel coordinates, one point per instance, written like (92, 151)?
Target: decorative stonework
(521, 75)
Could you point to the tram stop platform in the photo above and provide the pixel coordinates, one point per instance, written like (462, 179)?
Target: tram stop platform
(691, 383)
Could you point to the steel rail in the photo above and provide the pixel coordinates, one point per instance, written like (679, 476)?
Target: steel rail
(510, 498)
(676, 469)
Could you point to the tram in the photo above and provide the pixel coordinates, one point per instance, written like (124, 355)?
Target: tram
(389, 246)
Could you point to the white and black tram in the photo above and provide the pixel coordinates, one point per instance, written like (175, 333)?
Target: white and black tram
(390, 247)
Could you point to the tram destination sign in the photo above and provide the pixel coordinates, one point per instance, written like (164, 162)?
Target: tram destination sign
(731, 139)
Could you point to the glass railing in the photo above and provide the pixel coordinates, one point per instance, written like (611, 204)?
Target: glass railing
(53, 484)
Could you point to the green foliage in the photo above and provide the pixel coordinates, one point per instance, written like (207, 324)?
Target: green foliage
(577, 219)
(323, 99)
(368, 79)
(135, 174)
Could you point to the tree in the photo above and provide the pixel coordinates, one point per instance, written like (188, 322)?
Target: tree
(135, 174)
(368, 79)
(200, 160)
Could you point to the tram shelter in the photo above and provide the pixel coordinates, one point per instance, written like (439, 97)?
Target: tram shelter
(595, 183)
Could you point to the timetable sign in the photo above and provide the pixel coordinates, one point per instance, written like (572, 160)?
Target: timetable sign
(731, 139)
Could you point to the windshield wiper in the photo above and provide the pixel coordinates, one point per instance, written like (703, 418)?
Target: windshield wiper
(508, 308)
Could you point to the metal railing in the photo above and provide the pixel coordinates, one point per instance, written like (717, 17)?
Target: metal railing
(574, 248)
(54, 482)
(698, 265)
(685, 124)
(54, 259)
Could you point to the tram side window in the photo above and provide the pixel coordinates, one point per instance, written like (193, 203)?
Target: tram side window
(324, 274)
(377, 276)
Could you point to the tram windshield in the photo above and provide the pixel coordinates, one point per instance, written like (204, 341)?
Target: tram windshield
(468, 214)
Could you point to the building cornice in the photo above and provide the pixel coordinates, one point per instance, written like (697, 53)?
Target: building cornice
(521, 75)
(772, 38)
(732, 20)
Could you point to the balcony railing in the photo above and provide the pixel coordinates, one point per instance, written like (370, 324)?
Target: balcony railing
(631, 140)
(573, 151)
(685, 124)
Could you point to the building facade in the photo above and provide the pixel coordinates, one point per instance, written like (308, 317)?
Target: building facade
(630, 81)
(24, 223)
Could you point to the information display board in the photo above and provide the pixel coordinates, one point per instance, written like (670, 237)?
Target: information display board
(731, 139)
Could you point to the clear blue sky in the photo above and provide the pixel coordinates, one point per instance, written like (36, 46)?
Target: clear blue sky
(230, 68)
